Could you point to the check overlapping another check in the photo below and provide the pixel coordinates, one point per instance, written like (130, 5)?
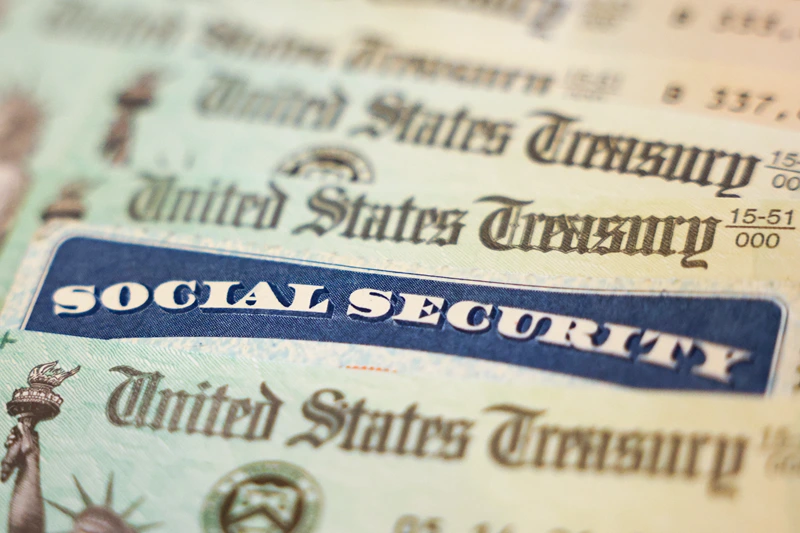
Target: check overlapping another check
(420, 266)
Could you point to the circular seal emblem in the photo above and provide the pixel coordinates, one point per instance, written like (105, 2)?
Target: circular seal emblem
(267, 496)
(339, 164)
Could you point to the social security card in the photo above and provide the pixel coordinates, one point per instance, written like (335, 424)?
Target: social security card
(321, 309)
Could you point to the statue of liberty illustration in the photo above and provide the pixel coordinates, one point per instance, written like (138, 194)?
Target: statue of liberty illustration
(20, 126)
(117, 144)
(32, 405)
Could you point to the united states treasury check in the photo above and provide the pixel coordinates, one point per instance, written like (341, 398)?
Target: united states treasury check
(217, 443)
(178, 154)
(637, 41)
(190, 138)
(743, 32)
(393, 42)
(466, 227)
(322, 310)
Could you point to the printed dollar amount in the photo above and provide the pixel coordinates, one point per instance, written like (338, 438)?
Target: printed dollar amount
(758, 23)
(764, 103)
(754, 20)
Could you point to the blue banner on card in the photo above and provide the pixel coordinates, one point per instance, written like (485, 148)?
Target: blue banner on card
(110, 289)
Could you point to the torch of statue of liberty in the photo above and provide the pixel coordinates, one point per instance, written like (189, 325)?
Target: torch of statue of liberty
(31, 405)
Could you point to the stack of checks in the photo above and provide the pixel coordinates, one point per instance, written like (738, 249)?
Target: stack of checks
(395, 266)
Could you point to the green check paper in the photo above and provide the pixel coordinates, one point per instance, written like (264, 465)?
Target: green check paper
(345, 145)
(232, 444)
(313, 224)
